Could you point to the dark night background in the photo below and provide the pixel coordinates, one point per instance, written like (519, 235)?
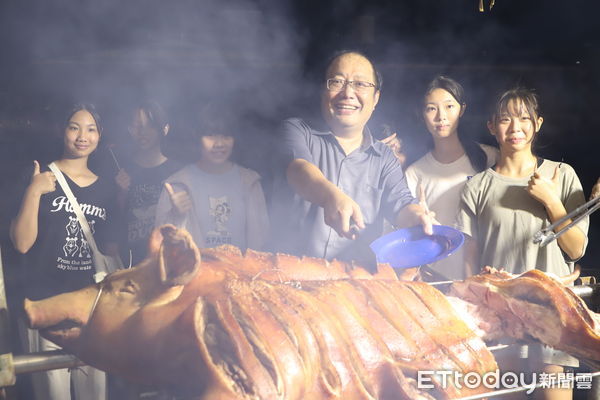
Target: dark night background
(264, 57)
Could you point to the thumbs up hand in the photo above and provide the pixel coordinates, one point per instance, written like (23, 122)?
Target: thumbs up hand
(182, 202)
(42, 182)
(545, 190)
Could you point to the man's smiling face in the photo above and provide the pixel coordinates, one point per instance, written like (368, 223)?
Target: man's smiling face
(349, 108)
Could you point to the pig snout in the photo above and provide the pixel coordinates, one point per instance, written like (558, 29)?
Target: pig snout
(61, 317)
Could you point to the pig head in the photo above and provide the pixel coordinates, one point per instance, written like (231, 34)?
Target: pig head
(137, 322)
(152, 323)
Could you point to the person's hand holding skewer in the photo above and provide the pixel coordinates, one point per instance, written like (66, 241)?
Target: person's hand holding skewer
(123, 180)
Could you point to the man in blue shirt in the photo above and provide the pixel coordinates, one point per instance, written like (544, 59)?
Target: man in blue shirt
(339, 183)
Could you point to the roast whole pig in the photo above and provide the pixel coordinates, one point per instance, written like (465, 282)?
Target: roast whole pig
(272, 326)
(262, 326)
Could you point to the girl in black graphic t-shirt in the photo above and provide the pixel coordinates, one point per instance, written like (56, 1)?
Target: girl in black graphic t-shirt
(141, 178)
(57, 257)
(46, 229)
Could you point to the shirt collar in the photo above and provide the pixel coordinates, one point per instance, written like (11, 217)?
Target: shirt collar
(368, 141)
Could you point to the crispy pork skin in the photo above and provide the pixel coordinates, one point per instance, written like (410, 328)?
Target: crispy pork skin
(532, 306)
(222, 325)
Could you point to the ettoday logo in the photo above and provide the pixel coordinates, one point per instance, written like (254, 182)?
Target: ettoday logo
(495, 380)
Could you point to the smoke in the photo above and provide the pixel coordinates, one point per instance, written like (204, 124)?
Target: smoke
(262, 55)
(182, 53)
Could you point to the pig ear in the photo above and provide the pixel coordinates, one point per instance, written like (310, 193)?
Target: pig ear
(178, 256)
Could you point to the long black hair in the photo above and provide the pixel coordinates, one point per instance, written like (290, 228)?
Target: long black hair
(473, 150)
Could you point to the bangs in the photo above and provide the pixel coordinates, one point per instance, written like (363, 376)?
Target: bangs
(517, 103)
(514, 107)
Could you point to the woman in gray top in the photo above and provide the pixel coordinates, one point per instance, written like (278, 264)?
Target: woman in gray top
(503, 207)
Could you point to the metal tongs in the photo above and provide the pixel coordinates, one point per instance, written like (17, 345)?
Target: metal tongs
(546, 235)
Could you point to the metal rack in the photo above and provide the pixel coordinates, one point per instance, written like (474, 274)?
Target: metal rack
(7, 372)
(11, 366)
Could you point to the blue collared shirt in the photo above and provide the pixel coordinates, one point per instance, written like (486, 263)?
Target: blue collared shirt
(370, 175)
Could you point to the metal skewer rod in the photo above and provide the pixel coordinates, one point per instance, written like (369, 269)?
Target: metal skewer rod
(44, 361)
(114, 157)
(498, 347)
(440, 283)
(546, 235)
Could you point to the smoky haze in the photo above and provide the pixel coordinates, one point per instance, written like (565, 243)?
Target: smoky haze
(263, 57)
(182, 53)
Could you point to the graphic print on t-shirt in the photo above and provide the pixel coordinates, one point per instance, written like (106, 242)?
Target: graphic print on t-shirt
(76, 246)
(76, 254)
(72, 226)
(70, 247)
(220, 211)
(142, 206)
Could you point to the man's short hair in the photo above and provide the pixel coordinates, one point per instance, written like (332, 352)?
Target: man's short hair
(337, 54)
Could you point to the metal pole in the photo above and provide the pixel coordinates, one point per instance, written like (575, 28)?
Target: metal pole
(7, 372)
(44, 361)
(11, 366)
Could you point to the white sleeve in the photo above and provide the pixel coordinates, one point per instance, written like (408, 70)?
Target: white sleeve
(412, 179)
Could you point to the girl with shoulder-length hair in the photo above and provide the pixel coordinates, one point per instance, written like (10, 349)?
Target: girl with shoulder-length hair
(502, 208)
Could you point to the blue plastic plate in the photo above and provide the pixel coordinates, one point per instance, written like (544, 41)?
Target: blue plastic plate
(411, 247)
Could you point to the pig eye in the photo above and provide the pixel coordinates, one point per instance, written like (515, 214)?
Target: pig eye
(128, 287)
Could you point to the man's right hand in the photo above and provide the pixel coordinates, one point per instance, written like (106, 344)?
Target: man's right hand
(42, 182)
(123, 180)
(341, 212)
(182, 202)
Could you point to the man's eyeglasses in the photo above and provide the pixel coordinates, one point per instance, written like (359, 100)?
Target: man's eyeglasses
(335, 85)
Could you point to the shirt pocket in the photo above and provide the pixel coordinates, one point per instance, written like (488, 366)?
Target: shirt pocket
(370, 201)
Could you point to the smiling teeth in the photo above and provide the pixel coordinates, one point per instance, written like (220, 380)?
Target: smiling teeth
(347, 107)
